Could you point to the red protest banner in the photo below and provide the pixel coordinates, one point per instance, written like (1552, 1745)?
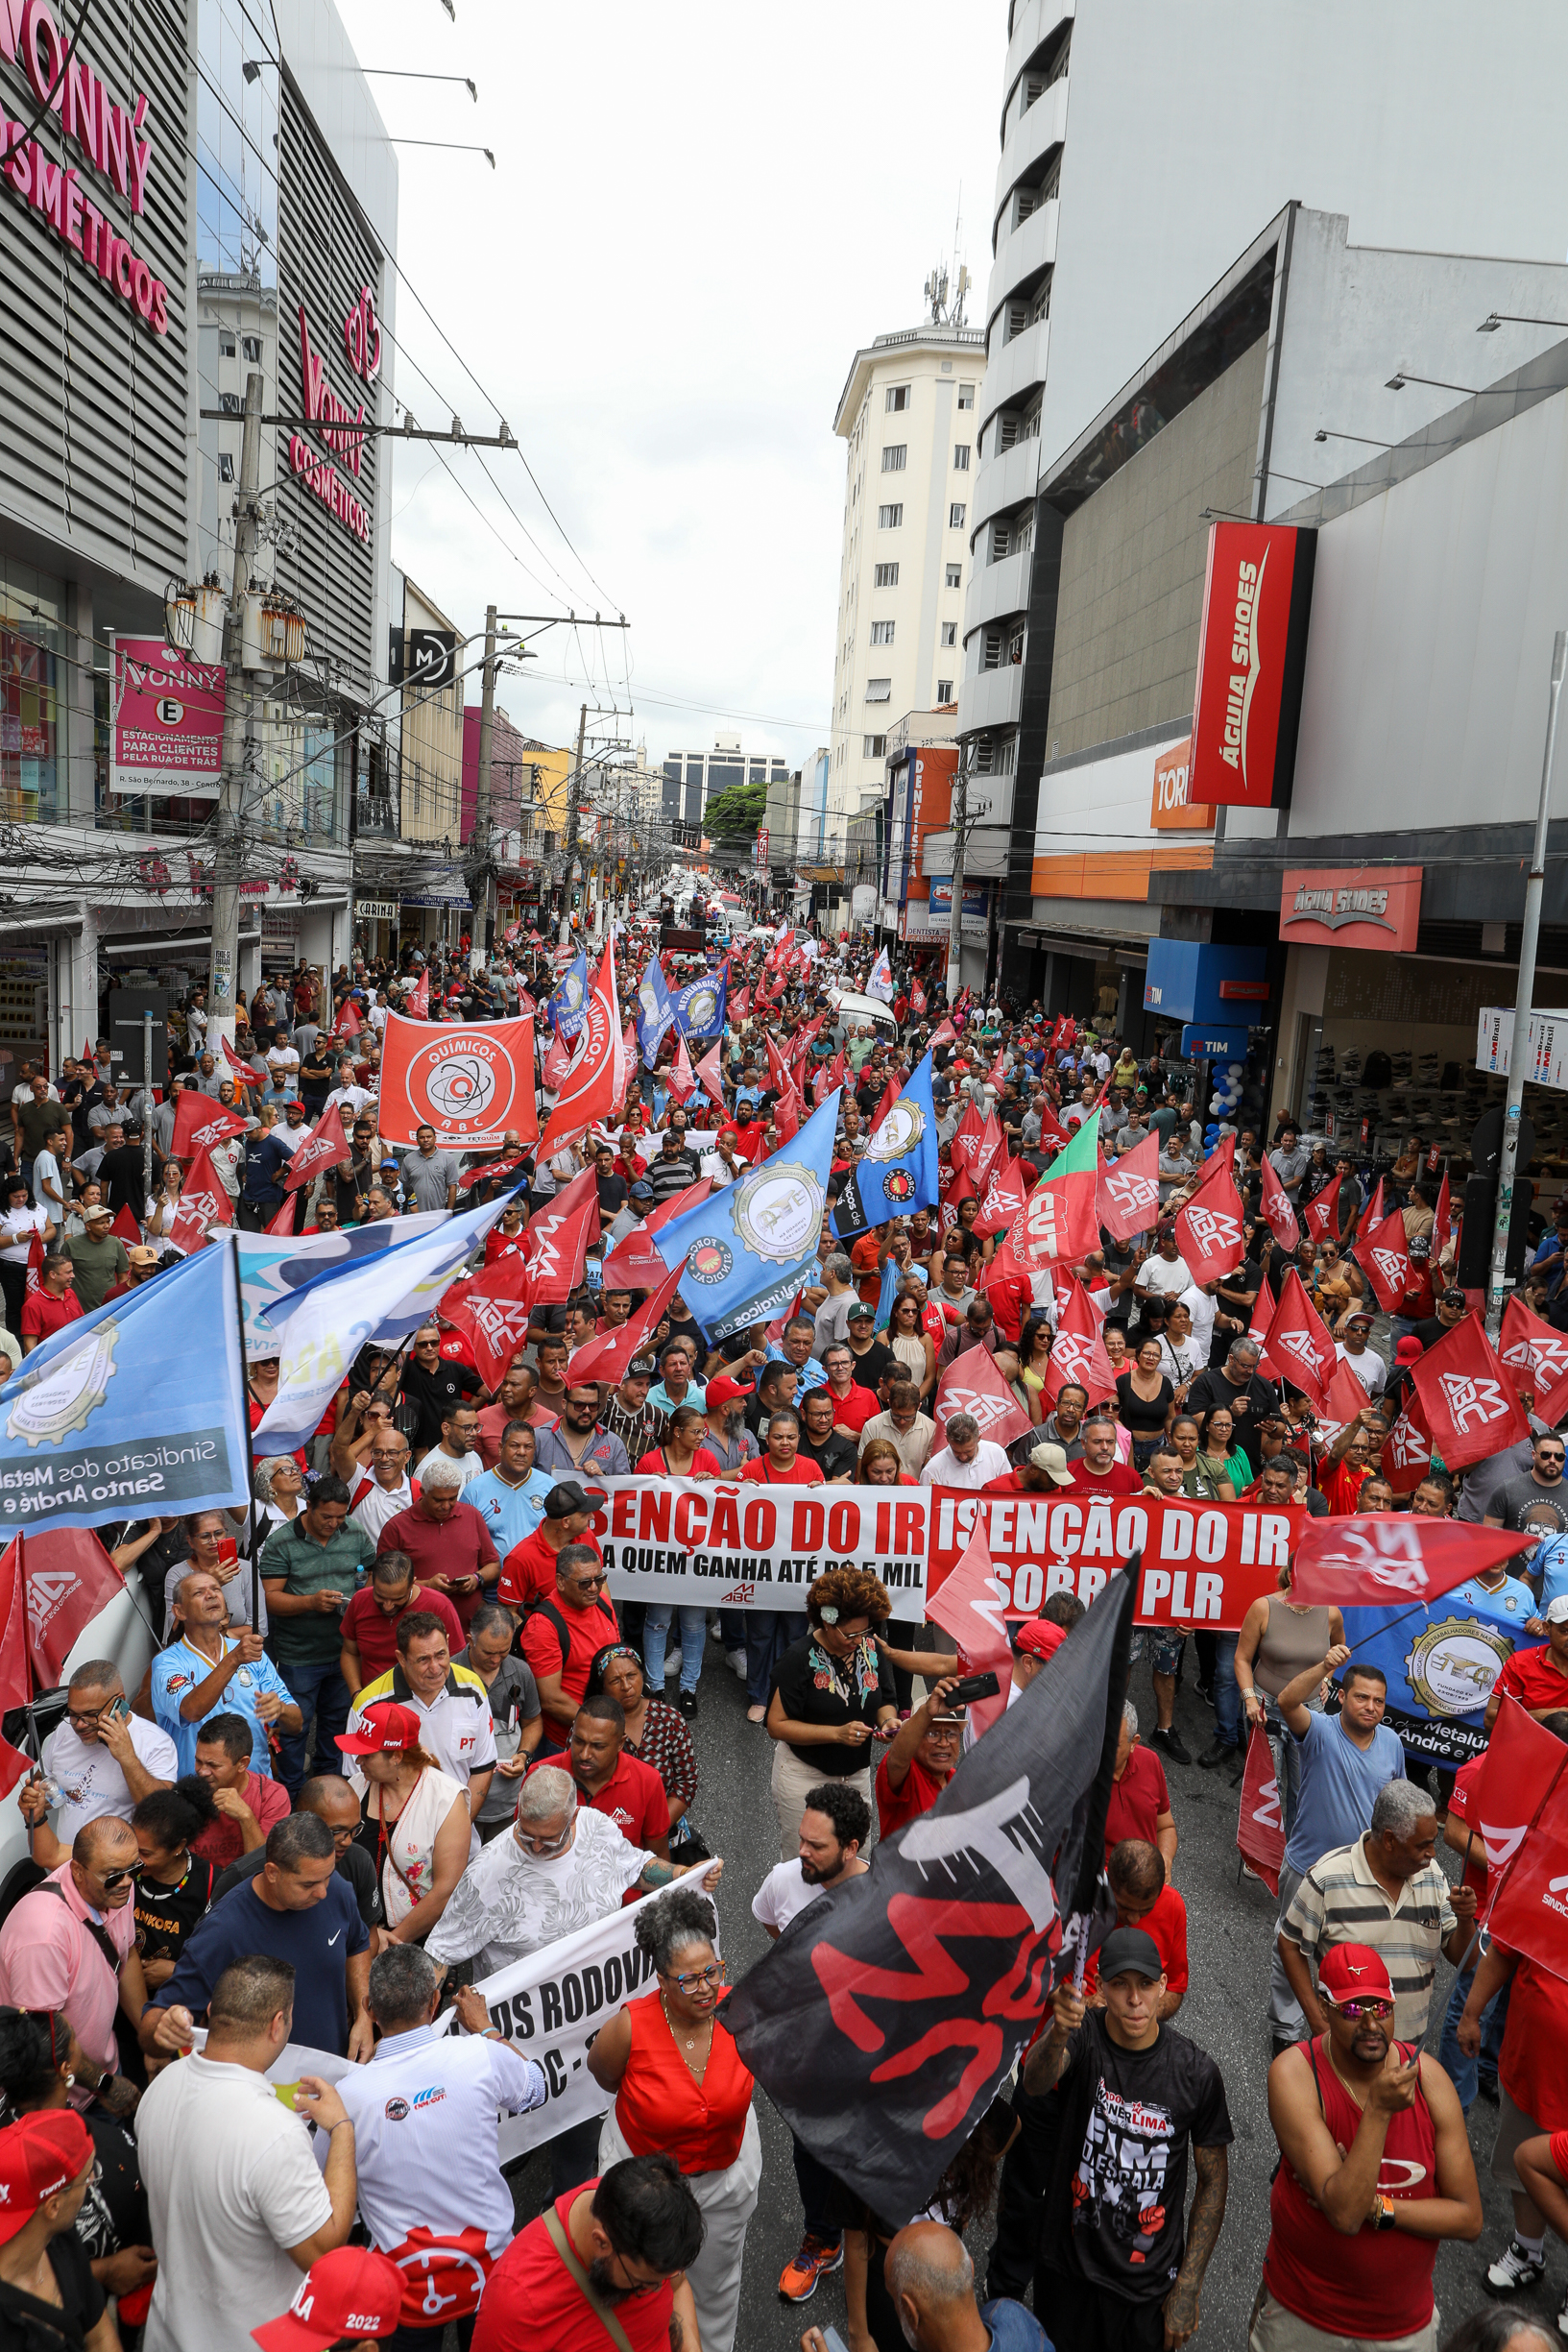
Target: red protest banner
(1259, 1826)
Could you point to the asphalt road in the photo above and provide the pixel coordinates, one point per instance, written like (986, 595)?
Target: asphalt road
(1230, 1926)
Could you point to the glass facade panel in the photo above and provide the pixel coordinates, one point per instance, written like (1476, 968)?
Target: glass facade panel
(34, 683)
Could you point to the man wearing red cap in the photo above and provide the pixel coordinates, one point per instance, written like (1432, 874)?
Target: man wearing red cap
(1032, 1642)
(1375, 2169)
(352, 2295)
(46, 2280)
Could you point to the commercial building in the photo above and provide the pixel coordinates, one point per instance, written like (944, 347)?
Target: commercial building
(146, 279)
(1283, 811)
(1108, 225)
(691, 779)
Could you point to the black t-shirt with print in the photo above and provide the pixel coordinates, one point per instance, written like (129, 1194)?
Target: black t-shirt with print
(1115, 2213)
(809, 1692)
(167, 1915)
(869, 1369)
(434, 1394)
(835, 1458)
(1523, 1503)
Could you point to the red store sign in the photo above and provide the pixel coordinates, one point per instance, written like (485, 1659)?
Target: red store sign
(1253, 652)
(1355, 906)
(332, 418)
(108, 133)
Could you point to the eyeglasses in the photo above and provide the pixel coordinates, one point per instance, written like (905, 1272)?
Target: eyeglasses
(543, 1849)
(83, 1722)
(112, 1878)
(589, 1584)
(715, 1973)
(1369, 2007)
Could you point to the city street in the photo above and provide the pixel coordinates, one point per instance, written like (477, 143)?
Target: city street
(1229, 1925)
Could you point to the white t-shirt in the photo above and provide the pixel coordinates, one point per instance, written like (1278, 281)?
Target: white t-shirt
(283, 1060)
(25, 1222)
(1368, 1368)
(782, 1894)
(1202, 1309)
(509, 1903)
(1166, 1277)
(351, 1100)
(945, 1470)
(472, 1465)
(231, 2185)
(93, 1782)
(373, 1506)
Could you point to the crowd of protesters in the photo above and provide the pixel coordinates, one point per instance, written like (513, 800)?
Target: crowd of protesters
(439, 1745)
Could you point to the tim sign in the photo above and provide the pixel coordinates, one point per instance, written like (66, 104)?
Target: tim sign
(1363, 906)
(1251, 655)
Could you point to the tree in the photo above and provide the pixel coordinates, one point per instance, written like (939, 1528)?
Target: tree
(735, 815)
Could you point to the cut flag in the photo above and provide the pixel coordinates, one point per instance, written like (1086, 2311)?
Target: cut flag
(1060, 1224)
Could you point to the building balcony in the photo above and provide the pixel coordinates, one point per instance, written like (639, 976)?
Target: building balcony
(997, 588)
(1004, 482)
(1016, 369)
(1042, 128)
(1022, 256)
(1034, 23)
(990, 698)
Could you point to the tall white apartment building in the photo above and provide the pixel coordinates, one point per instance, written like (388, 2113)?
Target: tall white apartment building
(906, 417)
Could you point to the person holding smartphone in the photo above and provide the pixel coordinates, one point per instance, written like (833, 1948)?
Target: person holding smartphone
(101, 1759)
(924, 1757)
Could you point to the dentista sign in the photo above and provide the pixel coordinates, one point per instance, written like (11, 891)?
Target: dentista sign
(108, 133)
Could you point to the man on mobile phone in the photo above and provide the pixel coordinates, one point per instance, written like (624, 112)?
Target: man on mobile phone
(102, 1758)
(922, 1760)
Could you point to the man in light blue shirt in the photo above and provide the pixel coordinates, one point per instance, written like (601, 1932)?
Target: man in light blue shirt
(222, 1673)
(1342, 1760)
(795, 1348)
(510, 1498)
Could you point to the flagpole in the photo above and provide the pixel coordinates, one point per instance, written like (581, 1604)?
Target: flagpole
(249, 1449)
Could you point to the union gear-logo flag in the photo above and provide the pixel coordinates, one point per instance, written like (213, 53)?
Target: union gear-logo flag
(915, 1986)
(1467, 1396)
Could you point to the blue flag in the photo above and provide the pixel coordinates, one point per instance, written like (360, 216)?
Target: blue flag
(699, 1006)
(655, 1011)
(892, 1277)
(138, 1407)
(570, 1003)
(899, 1171)
(1441, 1663)
(746, 1250)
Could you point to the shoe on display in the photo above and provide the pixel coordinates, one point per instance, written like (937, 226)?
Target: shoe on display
(798, 2282)
(1513, 2270)
(1171, 1743)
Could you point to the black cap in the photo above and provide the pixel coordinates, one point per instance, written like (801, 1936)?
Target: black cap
(1125, 1949)
(569, 1496)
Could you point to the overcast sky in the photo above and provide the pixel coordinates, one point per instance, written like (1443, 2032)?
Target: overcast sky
(699, 213)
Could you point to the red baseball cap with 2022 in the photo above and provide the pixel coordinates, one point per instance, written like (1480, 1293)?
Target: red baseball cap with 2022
(351, 2292)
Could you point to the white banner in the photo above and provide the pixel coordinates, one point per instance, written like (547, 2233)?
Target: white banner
(271, 1266)
(721, 1544)
(553, 2003)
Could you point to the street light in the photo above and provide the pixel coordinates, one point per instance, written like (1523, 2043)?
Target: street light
(1495, 319)
(453, 147)
(1324, 434)
(1403, 376)
(406, 73)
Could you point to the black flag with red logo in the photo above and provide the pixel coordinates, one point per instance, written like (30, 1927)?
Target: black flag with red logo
(883, 2018)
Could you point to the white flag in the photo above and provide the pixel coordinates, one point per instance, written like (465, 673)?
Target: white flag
(880, 982)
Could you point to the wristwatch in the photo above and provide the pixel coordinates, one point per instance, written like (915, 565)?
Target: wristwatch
(1385, 2206)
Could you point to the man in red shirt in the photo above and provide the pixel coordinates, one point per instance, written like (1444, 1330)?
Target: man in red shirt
(1537, 1678)
(637, 2230)
(781, 1464)
(1140, 1804)
(51, 1306)
(249, 1803)
(853, 1404)
(1145, 1899)
(370, 1623)
(866, 1257)
(446, 1538)
(1099, 1471)
(561, 1636)
(921, 1762)
(531, 1565)
(623, 1789)
(1046, 1470)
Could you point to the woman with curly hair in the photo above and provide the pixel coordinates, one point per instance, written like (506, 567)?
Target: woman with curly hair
(681, 2090)
(832, 1696)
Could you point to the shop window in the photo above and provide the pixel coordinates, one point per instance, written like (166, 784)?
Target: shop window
(34, 677)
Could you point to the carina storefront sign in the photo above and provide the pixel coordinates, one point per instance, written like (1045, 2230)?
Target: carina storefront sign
(111, 138)
(1253, 652)
(334, 422)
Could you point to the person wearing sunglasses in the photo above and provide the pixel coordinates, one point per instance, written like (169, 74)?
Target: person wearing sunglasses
(1375, 2170)
(101, 1759)
(70, 1945)
(682, 2087)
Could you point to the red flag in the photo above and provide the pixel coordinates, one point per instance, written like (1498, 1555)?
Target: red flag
(1059, 1225)
(1522, 1767)
(917, 998)
(1321, 1216)
(996, 1075)
(244, 1071)
(710, 1071)
(15, 1682)
(741, 1003)
(634, 1264)
(125, 1225)
(1377, 1209)
(1443, 1223)
(1529, 1915)
(417, 1002)
(969, 1138)
(487, 1170)
(679, 1078)
(777, 1069)
(890, 1095)
(67, 1578)
(349, 1023)
(1537, 1357)
(1468, 1398)
(492, 1310)
(283, 1223)
(1386, 1559)
(1299, 1346)
(1278, 1213)
(34, 1263)
(202, 1194)
(1128, 1196)
(558, 1055)
(607, 1357)
(1259, 1826)
(1077, 1352)
(1209, 1226)
(1259, 1328)
(557, 1240)
(324, 1146)
(1384, 1253)
(1003, 1197)
(943, 1033)
(598, 1079)
(1346, 1399)
(86, 1048)
(973, 1384)
(1406, 1451)
(199, 1123)
(972, 1606)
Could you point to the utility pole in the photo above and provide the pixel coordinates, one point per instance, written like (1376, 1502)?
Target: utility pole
(574, 786)
(955, 913)
(481, 799)
(222, 971)
(1522, 999)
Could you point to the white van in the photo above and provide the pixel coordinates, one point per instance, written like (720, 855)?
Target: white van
(864, 1012)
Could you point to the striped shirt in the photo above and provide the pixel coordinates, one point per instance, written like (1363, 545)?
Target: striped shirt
(1339, 1902)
